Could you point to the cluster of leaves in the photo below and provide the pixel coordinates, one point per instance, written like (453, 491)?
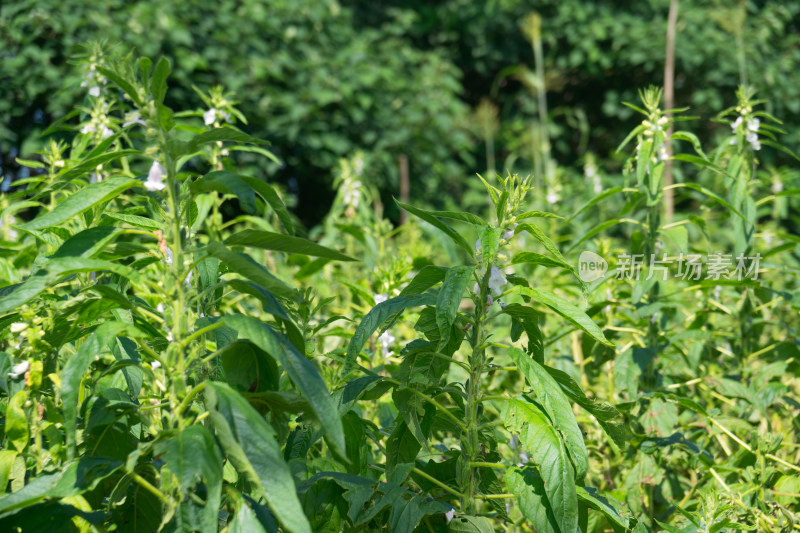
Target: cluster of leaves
(159, 372)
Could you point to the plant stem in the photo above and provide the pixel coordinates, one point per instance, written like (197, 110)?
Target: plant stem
(437, 482)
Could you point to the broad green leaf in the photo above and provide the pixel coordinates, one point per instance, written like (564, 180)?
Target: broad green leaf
(226, 182)
(298, 368)
(248, 368)
(250, 443)
(431, 219)
(470, 524)
(245, 521)
(540, 439)
(123, 84)
(56, 269)
(6, 461)
(135, 220)
(124, 349)
(527, 485)
(568, 311)
(449, 300)
(490, 244)
(427, 277)
(283, 243)
(16, 423)
(244, 265)
(71, 479)
(380, 314)
(556, 405)
(86, 243)
(77, 364)
(191, 455)
(80, 201)
(610, 508)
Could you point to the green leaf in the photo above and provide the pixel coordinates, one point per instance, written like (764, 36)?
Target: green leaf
(244, 265)
(134, 220)
(542, 442)
(426, 278)
(490, 244)
(550, 246)
(7, 458)
(556, 405)
(250, 444)
(73, 372)
(71, 479)
(470, 524)
(226, 182)
(610, 508)
(298, 368)
(16, 423)
(86, 243)
(537, 214)
(248, 368)
(716, 197)
(449, 300)
(379, 314)
(191, 455)
(56, 269)
(123, 84)
(431, 219)
(158, 82)
(283, 243)
(538, 259)
(124, 349)
(605, 194)
(80, 201)
(222, 134)
(271, 197)
(469, 218)
(245, 520)
(568, 311)
(527, 485)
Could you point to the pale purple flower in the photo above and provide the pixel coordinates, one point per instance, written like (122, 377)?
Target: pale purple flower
(386, 339)
(496, 281)
(94, 91)
(154, 182)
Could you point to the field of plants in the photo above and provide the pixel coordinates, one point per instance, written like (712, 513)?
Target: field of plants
(579, 324)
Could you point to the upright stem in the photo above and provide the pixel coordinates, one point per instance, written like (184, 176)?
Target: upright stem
(669, 103)
(470, 443)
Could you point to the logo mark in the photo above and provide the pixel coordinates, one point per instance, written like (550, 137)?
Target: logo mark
(591, 266)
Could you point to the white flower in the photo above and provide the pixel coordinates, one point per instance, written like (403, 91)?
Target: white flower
(736, 124)
(552, 197)
(753, 124)
(496, 281)
(476, 288)
(16, 327)
(170, 338)
(662, 153)
(224, 116)
(450, 514)
(160, 307)
(94, 91)
(154, 182)
(478, 246)
(133, 117)
(752, 138)
(155, 364)
(19, 369)
(358, 166)
(386, 339)
(88, 128)
(168, 256)
(777, 187)
(188, 280)
(381, 298)
(209, 116)
(510, 233)
(107, 132)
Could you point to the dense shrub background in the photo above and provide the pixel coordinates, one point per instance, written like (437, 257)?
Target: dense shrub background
(321, 79)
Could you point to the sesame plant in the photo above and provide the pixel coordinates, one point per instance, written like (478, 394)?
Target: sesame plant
(178, 354)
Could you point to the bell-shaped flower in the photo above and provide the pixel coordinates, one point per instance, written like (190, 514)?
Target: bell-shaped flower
(210, 116)
(19, 369)
(496, 280)
(154, 182)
